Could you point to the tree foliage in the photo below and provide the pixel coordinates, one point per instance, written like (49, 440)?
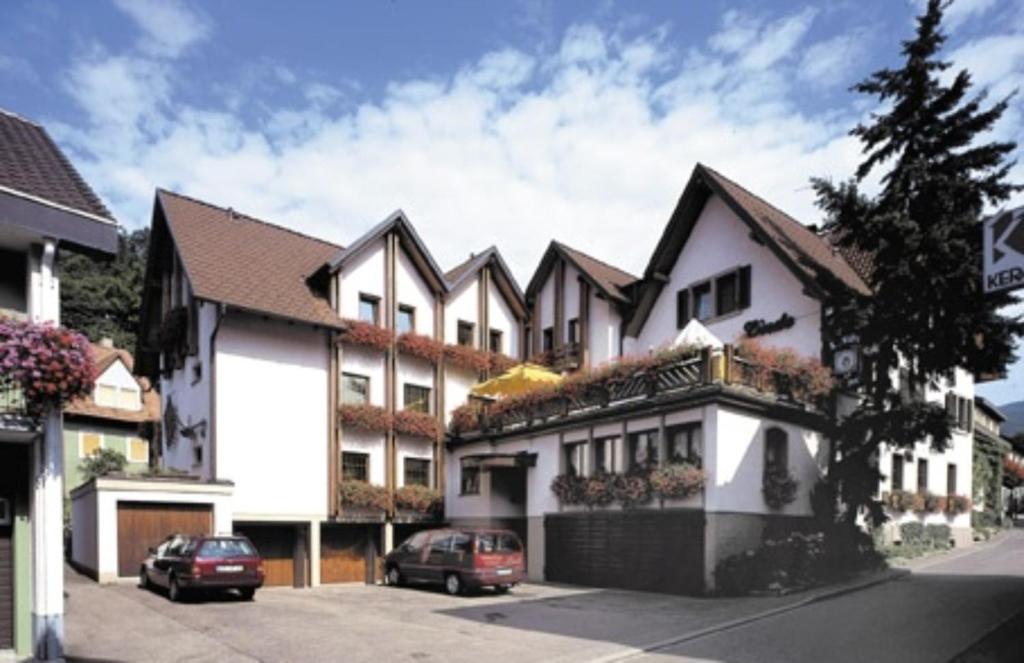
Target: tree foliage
(102, 298)
(926, 313)
(102, 463)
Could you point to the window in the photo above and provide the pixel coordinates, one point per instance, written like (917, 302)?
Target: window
(951, 479)
(406, 319)
(226, 548)
(197, 455)
(776, 450)
(469, 483)
(548, 340)
(466, 333)
(574, 458)
(960, 411)
(89, 444)
(106, 395)
(441, 544)
(897, 471)
(128, 399)
(417, 471)
(574, 330)
(726, 291)
(643, 449)
(495, 340)
(604, 454)
(702, 301)
(369, 309)
(462, 543)
(417, 398)
(685, 444)
(495, 542)
(416, 542)
(355, 466)
(922, 475)
(138, 450)
(355, 389)
(682, 308)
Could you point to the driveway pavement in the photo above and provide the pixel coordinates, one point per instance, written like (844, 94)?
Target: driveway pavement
(931, 616)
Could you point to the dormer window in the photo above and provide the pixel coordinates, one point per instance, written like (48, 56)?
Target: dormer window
(465, 333)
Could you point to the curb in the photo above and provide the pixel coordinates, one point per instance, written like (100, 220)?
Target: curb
(823, 595)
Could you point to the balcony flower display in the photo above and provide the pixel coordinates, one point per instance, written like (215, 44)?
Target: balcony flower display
(632, 489)
(419, 498)
(805, 378)
(367, 417)
(925, 503)
(465, 418)
(779, 487)
(568, 488)
(51, 365)
(956, 505)
(420, 346)
(499, 363)
(418, 424)
(358, 332)
(464, 356)
(598, 489)
(899, 501)
(679, 480)
(364, 495)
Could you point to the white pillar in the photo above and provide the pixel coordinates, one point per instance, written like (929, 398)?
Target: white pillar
(44, 287)
(48, 543)
(389, 537)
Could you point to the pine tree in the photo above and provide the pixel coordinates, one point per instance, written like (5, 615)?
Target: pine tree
(926, 313)
(102, 298)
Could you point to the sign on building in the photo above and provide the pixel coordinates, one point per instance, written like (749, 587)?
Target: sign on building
(1004, 251)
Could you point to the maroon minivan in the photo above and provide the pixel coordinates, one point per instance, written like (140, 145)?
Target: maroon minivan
(458, 559)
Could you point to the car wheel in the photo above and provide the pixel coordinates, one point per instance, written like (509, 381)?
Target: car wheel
(453, 584)
(394, 577)
(143, 578)
(248, 593)
(174, 590)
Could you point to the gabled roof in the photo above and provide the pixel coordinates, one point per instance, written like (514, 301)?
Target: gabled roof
(411, 241)
(990, 408)
(507, 283)
(31, 163)
(611, 281)
(241, 261)
(799, 248)
(105, 357)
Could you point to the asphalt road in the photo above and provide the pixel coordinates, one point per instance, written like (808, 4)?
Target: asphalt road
(931, 616)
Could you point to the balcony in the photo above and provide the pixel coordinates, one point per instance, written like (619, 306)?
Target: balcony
(777, 375)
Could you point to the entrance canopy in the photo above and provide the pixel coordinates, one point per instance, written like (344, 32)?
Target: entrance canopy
(500, 461)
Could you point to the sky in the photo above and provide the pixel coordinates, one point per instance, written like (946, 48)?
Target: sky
(488, 122)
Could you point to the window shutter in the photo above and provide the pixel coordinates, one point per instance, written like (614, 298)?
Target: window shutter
(744, 287)
(970, 415)
(682, 308)
(951, 406)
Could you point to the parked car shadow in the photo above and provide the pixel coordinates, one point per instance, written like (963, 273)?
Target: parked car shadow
(200, 596)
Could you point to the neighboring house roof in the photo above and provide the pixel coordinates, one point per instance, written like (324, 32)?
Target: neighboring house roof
(610, 280)
(241, 261)
(506, 281)
(41, 191)
(806, 254)
(990, 408)
(411, 241)
(105, 357)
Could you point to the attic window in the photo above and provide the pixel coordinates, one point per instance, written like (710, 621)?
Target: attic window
(702, 301)
(369, 309)
(465, 333)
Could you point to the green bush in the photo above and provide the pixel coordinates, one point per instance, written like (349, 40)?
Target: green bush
(103, 462)
(911, 533)
(937, 536)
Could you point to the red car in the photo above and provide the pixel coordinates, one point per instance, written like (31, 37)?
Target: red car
(458, 559)
(185, 563)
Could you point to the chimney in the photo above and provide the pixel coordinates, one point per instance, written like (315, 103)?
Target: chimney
(106, 342)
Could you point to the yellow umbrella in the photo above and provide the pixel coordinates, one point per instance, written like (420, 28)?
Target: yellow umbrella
(516, 380)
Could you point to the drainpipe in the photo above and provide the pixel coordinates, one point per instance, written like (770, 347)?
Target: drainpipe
(212, 414)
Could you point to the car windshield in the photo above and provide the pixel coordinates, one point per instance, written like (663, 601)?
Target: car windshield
(218, 548)
(497, 542)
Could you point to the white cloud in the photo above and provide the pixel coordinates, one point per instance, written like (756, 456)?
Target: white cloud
(757, 43)
(830, 62)
(169, 26)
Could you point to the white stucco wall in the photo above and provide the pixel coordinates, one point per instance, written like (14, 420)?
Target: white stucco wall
(358, 360)
(457, 383)
(413, 447)
(191, 398)
(372, 444)
(546, 300)
(411, 290)
(462, 304)
(719, 242)
(734, 460)
(416, 372)
(363, 273)
(571, 297)
(118, 376)
(272, 417)
(605, 328)
(501, 317)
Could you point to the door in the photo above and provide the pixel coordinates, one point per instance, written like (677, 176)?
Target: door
(144, 525)
(6, 573)
(343, 552)
(276, 545)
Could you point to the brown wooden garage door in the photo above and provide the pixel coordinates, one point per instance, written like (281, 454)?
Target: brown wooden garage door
(645, 550)
(276, 545)
(343, 553)
(143, 525)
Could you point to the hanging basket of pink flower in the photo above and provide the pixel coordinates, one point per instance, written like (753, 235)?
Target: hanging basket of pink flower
(466, 357)
(50, 365)
(366, 417)
(366, 334)
(417, 424)
(420, 346)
